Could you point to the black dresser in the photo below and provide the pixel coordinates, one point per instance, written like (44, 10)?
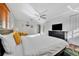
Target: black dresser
(1, 49)
(57, 33)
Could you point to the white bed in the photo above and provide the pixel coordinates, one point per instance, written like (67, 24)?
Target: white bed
(34, 45)
(42, 45)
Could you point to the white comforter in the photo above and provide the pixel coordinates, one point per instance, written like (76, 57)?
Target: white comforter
(42, 45)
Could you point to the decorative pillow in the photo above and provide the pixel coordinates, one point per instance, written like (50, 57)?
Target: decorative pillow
(23, 33)
(17, 36)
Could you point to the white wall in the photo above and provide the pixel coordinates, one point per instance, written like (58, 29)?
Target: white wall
(71, 22)
(68, 24)
(23, 13)
(21, 25)
(20, 13)
(48, 25)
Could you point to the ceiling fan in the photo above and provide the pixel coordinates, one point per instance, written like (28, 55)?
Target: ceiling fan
(42, 15)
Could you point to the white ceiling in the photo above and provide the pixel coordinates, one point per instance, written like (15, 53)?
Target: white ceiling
(53, 9)
(20, 11)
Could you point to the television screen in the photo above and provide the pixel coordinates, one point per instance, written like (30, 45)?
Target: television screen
(57, 27)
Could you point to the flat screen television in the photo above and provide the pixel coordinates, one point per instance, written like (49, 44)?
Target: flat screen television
(57, 27)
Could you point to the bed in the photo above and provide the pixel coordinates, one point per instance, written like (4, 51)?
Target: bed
(42, 45)
(34, 45)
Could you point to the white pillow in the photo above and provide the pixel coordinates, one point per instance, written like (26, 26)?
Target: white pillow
(8, 43)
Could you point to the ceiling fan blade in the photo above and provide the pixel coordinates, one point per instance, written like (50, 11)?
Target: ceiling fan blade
(44, 11)
(43, 17)
(36, 15)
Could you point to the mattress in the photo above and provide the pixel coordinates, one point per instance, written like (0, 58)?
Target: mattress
(42, 45)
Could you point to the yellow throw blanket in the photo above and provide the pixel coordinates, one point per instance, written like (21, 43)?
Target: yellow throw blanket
(17, 36)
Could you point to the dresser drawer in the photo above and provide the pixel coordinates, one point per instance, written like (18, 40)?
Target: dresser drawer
(58, 34)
